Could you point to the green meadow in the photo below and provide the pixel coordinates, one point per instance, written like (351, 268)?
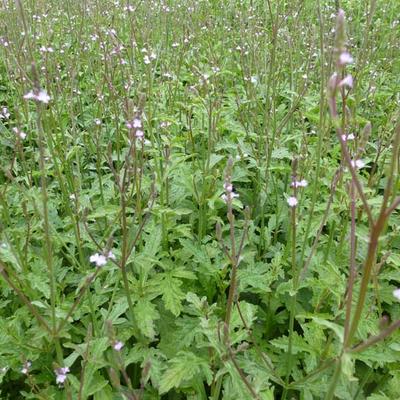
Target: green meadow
(199, 199)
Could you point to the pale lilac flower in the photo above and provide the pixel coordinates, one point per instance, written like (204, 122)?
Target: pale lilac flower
(25, 368)
(345, 58)
(61, 375)
(229, 196)
(228, 187)
(44, 49)
(292, 201)
(118, 346)
(139, 134)
(396, 294)
(146, 59)
(165, 124)
(19, 133)
(99, 259)
(302, 183)
(137, 123)
(357, 164)
(4, 114)
(41, 96)
(347, 81)
(111, 255)
(97, 121)
(350, 136)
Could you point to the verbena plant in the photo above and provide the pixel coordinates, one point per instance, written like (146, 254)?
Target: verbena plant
(199, 199)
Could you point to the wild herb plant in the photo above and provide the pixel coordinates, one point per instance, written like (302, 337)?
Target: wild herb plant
(199, 199)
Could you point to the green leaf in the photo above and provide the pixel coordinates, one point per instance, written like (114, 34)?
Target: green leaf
(183, 368)
(281, 154)
(331, 325)
(172, 295)
(146, 314)
(40, 283)
(108, 210)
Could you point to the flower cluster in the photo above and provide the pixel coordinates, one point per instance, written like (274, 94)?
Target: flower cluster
(137, 126)
(302, 183)
(357, 164)
(100, 259)
(25, 368)
(118, 345)
(292, 201)
(19, 133)
(40, 96)
(229, 194)
(350, 136)
(61, 375)
(4, 113)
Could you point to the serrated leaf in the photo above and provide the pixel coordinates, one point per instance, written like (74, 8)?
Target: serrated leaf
(172, 295)
(331, 325)
(182, 368)
(145, 315)
(281, 153)
(120, 306)
(40, 283)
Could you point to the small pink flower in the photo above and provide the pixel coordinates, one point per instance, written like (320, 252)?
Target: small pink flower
(302, 183)
(357, 164)
(345, 58)
(99, 259)
(61, 375)
(292, 201)
(4, 114)
(137, 123)
(30, 95)
(25, 368)
(19, 133)
(230, 196)
(118, 346)
(228, 187)
(41, 96)
(350, 136)
(139, 134)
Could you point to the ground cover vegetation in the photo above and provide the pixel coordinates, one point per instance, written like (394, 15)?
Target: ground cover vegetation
(199, 199)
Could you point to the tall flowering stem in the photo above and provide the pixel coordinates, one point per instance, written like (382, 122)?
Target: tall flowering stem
(338, 83)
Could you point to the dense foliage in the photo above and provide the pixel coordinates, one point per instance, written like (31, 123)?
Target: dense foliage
(198, 199)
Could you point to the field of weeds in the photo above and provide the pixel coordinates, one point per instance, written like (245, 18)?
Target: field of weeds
(199, 199)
